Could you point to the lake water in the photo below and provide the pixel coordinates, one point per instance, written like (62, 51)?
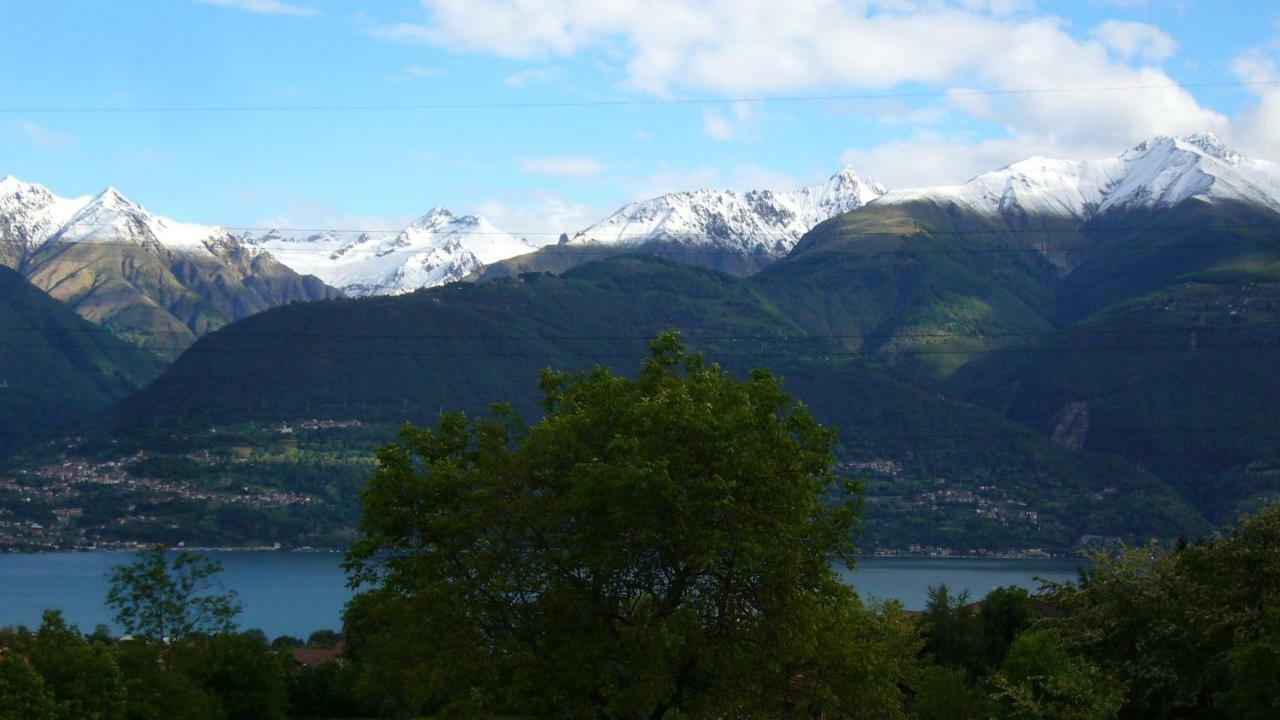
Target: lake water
(294, 593)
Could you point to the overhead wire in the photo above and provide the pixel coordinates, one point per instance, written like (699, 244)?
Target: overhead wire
(624, 102)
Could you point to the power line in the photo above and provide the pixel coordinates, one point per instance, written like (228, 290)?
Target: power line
(387, 234)
(632, 102)
(1143, 330)
(328, 352)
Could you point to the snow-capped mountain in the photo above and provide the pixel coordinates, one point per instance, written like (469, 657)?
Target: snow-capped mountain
(32, 217)
(111, 218)
(30, 214)
(153, 280)
(1160, 172)
(758, 222)
(438, 248)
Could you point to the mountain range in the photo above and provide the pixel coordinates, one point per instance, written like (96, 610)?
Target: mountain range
(1050, 354)
(153, 281)
(717, 228)
(437, 248)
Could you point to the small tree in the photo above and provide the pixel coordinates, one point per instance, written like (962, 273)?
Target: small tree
(161, 599)
(952, 630)
(656, 547)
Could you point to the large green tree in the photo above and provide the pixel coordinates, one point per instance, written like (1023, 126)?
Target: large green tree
(654, 547)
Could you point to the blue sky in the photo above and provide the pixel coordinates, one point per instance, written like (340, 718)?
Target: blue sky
(539, 169)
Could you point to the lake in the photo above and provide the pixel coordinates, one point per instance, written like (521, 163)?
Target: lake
(294, 593)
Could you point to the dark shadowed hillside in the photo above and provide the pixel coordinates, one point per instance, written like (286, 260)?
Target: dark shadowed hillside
(464, 346)
(57, 369)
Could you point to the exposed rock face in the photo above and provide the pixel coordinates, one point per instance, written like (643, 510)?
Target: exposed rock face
(152, 280)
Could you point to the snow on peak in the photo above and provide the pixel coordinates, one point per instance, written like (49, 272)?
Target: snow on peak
(30, 214)
(437, 248)
(755, 222)
(1210, 145)
(1159, 172)
(110, 218)
(111, 197)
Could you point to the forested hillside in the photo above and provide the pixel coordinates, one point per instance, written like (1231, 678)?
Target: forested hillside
(57, 369)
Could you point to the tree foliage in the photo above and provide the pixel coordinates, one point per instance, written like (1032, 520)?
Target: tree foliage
(1191, 629)
(161, 599)
(652, 547)
(82, 676)
(1040, 680)
(23, 695)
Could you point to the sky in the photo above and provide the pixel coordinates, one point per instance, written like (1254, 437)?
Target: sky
(546, 115)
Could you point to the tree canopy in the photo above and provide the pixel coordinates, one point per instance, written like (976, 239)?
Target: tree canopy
(653, 547)
(161, 599)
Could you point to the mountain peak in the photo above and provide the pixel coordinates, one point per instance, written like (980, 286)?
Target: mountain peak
(1210, 145)
(1202, 143)
(1159, 172)
(112, 198)
(438, 213)
(847, 174)
(757, 223)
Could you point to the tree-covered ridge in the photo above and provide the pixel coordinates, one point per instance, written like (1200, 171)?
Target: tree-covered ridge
(464, 347)
(57, 369)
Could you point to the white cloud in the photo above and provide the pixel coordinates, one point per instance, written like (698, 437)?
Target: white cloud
(43, 137)
(1256, 65)
(737, 125)
(1050, 89)
(758, 47)
(1256, 130)
(546, 216)
(733, 47)
(534, 76)
(562, 166)
(265, 7)
(716, 127)
(749, 176)
(309, 215)
(667, 178)
(933, 159)
(998, 7)
(971, 101)
(1136, 40)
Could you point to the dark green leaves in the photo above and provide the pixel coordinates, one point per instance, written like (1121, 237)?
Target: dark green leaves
(652, 547)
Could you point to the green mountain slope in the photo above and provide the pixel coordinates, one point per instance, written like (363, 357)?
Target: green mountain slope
(923, 285)
(464, 346)
(561, 258)
(1181, 381)
(1150, 336)
(57, 369)
(164, 300)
